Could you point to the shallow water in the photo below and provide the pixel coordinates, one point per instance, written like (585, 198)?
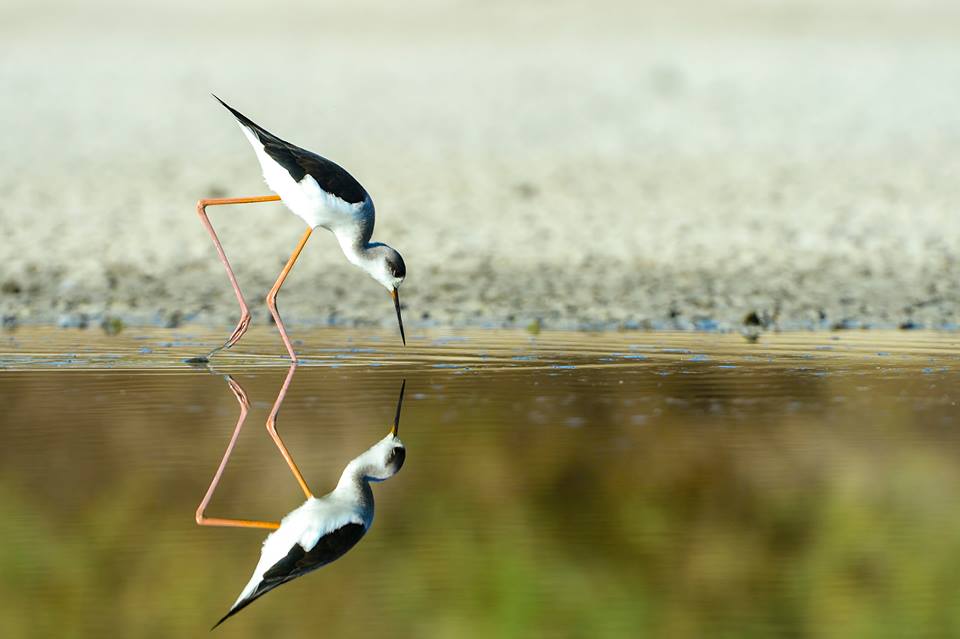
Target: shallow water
(564, 484)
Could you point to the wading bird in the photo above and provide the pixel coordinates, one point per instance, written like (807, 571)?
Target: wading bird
(322, 529)
(322, 194)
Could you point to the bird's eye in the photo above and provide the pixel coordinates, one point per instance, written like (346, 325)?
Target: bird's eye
(396, 457)
(397, 268)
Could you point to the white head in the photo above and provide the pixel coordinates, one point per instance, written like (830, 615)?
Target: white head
(385, 265)
(384, 459)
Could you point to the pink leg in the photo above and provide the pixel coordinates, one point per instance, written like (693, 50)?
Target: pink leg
(272, 429)
(272, 295)
(203, 520)
(244, 322)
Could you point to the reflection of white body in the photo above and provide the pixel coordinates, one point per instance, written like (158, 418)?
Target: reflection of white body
(323, 529)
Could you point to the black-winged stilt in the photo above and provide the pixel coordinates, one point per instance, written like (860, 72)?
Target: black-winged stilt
(322, 194)
(322, 529)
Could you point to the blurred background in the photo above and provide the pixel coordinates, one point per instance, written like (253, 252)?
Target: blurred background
(602, 164)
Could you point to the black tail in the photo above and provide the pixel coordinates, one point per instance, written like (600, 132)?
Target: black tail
(262, 588)
(244, 119)
(243, 604)
(222, 619)
(265, 137)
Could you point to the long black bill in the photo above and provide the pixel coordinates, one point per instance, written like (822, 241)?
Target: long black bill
(396, 419)
(395, 294)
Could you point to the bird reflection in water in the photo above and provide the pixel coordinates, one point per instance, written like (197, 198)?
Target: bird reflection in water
(323, 528)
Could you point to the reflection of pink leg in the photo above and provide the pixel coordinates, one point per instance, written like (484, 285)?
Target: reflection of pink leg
(202, 520)
(272, 429)
(202, 205)
(272, 295)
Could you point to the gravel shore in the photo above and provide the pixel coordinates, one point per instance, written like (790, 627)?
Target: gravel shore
(604, 165)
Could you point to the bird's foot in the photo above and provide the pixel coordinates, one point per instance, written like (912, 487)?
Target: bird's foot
(238, 332)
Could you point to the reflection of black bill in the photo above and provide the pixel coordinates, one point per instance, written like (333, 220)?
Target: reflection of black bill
(395, 294)
(396, 419)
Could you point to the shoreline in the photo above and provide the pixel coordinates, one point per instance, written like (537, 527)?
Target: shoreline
(471, 351)
(112, 324)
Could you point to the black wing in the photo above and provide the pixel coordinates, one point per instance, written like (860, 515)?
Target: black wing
(298, 162)
(299, 562)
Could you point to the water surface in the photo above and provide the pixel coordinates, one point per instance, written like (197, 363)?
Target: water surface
(565, 484)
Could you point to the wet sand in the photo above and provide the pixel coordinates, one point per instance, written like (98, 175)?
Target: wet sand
(475, 351)
(611, 165)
